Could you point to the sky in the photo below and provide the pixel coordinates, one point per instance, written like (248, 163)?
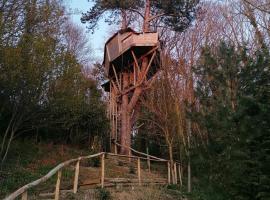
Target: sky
(101, 34)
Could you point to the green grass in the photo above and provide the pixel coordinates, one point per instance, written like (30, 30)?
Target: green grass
(28, 161)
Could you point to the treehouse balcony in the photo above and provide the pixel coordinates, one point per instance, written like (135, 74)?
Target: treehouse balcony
(125, 46)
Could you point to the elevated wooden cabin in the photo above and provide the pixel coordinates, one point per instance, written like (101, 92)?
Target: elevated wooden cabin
(118, 51)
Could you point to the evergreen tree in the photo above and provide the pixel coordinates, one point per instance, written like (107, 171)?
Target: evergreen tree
(233, 91)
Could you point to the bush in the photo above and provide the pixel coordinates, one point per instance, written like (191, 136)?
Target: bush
(103, 194)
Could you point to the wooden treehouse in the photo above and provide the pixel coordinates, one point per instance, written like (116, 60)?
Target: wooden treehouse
(124, 53)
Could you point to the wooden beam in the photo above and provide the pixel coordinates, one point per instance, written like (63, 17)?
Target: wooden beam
(116, 77)
(76, 177)
(116, 88)
(102, 169)
(148, 67)
(58, 183)
(24, 196)
(139, 171)
(135, 60)
(148, 160)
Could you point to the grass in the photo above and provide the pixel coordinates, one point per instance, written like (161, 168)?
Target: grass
(28, 161)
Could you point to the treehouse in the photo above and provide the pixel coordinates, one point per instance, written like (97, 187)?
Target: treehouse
(126, 47)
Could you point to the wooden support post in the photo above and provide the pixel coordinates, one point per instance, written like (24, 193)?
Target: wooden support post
(180, 175)
(129, 154)
(76, 177)
(116, 77)
(175, 173)
(139, 171)
(169, 172)
(102, 169)
(57, 187)
(24, 195)
(148, 160)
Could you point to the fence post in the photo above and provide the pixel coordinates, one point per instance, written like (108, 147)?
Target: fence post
(148, 160)
(57, 187)
(102, 169)
(175, 172)
(76, 177)
(139, 171)
(169, 172)
(24, 196)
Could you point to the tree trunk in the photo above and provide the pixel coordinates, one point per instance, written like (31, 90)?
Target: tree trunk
(189, 165)
(146, 24)
(125, 119)
(126, 105)
(171, 162)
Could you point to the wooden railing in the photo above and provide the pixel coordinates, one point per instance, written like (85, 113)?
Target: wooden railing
(23, 191)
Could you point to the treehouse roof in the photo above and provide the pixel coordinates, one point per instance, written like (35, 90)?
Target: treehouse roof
(118, 49)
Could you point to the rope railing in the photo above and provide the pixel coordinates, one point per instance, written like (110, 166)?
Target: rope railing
(23, 191)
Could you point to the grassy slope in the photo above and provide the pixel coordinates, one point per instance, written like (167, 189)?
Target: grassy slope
(28, 161)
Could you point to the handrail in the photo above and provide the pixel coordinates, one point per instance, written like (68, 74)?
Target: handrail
(23, 190)
(144, 154)
(47, 176)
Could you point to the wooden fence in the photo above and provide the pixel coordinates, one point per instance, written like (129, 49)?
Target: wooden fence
(23, 191)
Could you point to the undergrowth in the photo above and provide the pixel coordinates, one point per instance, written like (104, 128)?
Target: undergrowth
(28, 161)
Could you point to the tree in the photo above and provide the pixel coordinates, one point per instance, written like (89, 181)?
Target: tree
(177, 17)
(234, 110)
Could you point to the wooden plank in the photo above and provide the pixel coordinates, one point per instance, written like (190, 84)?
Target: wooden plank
(76, 177)
(139, 171)
(58, 183)
(154, 158)
(24, 196)
(116, 77)
(102, 169)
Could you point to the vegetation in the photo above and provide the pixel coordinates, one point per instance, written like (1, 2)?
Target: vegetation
(208, 108)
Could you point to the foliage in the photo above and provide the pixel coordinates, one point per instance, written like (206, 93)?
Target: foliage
(177, 17)
(44, 94)
(103, 194)
(234, 95)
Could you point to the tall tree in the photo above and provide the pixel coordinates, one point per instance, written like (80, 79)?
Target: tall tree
(177, 17)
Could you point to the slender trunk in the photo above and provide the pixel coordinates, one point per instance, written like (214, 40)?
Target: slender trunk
(146, 25)
(171, 162)
(6, 133)
(8, 146)
(189, 164)
(124, 19)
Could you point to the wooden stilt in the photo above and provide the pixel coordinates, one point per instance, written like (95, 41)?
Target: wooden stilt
(76, 177)
(139, 171)
(57, 187)
(24, 196)
(102, 170)
(148, 160)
